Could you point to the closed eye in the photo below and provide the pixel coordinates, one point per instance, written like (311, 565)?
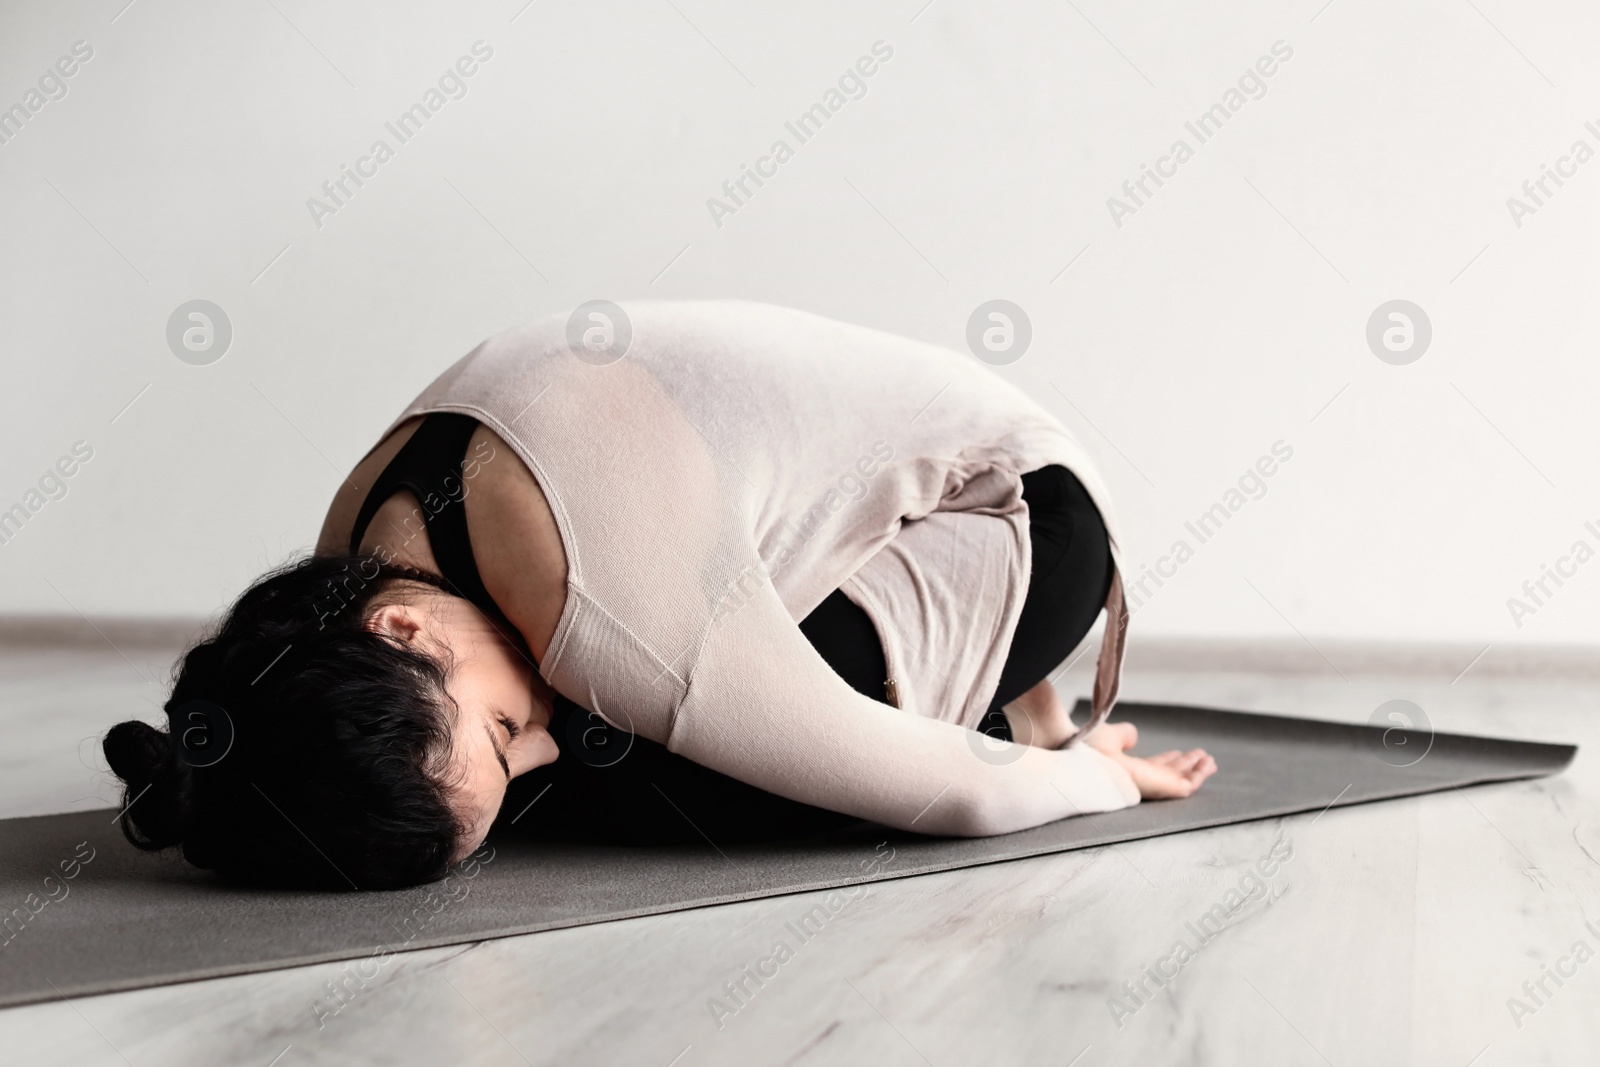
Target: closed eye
(499, 753)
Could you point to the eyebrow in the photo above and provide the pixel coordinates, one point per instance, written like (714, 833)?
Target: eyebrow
(499, 755)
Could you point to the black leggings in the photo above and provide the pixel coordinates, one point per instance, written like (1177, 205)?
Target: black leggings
(616, 787)
(1066, 590)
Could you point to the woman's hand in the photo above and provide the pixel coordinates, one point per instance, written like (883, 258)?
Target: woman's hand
(1163, 777)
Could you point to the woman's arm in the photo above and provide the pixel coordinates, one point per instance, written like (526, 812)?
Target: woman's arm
(763, 706)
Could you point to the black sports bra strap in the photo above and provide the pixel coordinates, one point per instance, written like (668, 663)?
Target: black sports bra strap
(429, 466)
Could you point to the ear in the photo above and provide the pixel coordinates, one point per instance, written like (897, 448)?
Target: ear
(398, 622)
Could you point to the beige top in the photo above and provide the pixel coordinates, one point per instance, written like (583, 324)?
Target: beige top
(737, 464)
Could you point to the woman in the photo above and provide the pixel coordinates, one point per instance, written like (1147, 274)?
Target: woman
(710, 570)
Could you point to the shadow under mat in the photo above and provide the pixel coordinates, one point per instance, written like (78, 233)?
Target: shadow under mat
(129, 919)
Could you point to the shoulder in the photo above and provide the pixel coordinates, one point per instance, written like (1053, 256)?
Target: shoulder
(341, 517)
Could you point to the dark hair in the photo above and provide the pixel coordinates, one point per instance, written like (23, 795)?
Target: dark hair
(302, 749)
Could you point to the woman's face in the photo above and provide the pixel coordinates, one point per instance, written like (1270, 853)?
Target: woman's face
(502, 705)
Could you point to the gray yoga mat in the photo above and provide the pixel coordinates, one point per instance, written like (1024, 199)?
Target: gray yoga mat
(127, 919)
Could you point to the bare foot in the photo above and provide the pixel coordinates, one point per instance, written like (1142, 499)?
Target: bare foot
(1040, 718)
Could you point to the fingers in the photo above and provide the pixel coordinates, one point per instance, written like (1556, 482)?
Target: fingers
(1195, 767)
(1172, 775)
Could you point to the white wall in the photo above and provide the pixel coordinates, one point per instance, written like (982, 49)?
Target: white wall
(1218, 319)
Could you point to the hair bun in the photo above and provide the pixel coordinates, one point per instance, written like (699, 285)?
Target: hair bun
(156, 781)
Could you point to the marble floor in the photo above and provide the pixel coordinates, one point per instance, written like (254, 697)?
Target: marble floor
(1395, 933)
